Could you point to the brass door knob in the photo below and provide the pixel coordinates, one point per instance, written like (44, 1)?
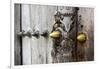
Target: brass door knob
(55, 34)
(82, 37)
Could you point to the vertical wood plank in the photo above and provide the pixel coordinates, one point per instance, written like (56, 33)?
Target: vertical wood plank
(50, 21)
(39, 20)
(26, 40)
(38, 48)
(86, 50)
(17, 44)
(43, 27)
(35, 42)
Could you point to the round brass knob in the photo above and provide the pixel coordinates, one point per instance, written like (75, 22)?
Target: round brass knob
(55, 34)
(82, 37)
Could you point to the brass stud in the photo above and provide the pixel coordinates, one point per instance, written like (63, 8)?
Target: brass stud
(55, 34)
(82, 37)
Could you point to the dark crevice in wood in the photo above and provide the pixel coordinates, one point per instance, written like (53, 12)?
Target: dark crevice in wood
(74, 30)
(21, 50)
(76, 21)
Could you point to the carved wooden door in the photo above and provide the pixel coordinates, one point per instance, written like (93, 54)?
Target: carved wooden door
(53, 34)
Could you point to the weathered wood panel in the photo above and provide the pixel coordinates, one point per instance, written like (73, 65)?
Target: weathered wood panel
(50, 11)
(40, 48)
(17, 41)
(26, 45)
(41, 20)
(86, 50)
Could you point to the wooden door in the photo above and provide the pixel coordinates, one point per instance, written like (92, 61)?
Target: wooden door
(38, 50)
(37, 18)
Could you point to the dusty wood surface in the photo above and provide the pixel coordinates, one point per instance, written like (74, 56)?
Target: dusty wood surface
(86, 50)
(41, 20)
(26, 45)
(17, 44)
